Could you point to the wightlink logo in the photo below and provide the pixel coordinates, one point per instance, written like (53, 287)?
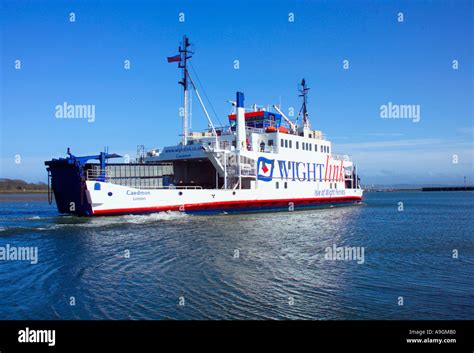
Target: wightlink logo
(75, 111)
(400, 111)
(301, 171)
(265, 168)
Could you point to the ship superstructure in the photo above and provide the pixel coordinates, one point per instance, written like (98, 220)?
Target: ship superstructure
(260, 161)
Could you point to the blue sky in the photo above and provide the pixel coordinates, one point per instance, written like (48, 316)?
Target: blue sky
(407, 62)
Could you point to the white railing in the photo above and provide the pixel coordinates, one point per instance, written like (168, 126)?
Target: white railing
(219, 146)
(255, 130)
(268, 149)
(97, 174)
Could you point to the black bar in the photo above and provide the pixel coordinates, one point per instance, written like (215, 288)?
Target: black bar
(240, 336)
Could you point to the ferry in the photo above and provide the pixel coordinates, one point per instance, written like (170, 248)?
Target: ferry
(260, 161)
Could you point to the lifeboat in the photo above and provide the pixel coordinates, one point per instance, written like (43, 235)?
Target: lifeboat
(271, 129)
(281, 129)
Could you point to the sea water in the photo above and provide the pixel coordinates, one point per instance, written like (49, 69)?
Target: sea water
(418, 262)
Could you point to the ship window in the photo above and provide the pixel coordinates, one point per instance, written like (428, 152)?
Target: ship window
(310, 146)
(330, 185)
(328, 149)
(290, 143)
(286, 185)
(297, 145)
(302, 145)
(282, 143)
(286, 143)
(315, 148)
(277, 185)
(270, 142)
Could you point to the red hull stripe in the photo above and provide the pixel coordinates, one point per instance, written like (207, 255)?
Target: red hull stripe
(233, 204)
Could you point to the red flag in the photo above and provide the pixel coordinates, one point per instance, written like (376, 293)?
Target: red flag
(175, 58)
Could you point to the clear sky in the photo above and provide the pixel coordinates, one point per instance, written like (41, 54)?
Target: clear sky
(82, 62)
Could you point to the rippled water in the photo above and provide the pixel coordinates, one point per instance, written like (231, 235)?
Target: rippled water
(281, 260)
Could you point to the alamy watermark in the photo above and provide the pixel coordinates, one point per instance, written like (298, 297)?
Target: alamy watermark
(19, 253)
(345, 253)
(75, 111)
(400, 111)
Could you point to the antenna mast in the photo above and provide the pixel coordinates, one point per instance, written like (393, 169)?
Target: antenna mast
(185, 55)
(304, 93)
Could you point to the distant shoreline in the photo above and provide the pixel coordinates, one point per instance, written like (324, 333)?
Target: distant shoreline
(18, 186)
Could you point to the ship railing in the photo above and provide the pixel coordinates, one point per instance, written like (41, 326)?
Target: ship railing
(255, 130)
(219, 146)
(155, 187)
(225, 146)
(97, 174)
(169, 187)
(136, 182)
(268, 149)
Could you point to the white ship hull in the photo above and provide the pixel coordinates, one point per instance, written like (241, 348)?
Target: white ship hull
(116, 199)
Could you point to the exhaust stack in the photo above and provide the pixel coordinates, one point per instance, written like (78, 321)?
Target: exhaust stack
(240, 120)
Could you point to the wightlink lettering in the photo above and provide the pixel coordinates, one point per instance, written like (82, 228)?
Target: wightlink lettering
(301, 171)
